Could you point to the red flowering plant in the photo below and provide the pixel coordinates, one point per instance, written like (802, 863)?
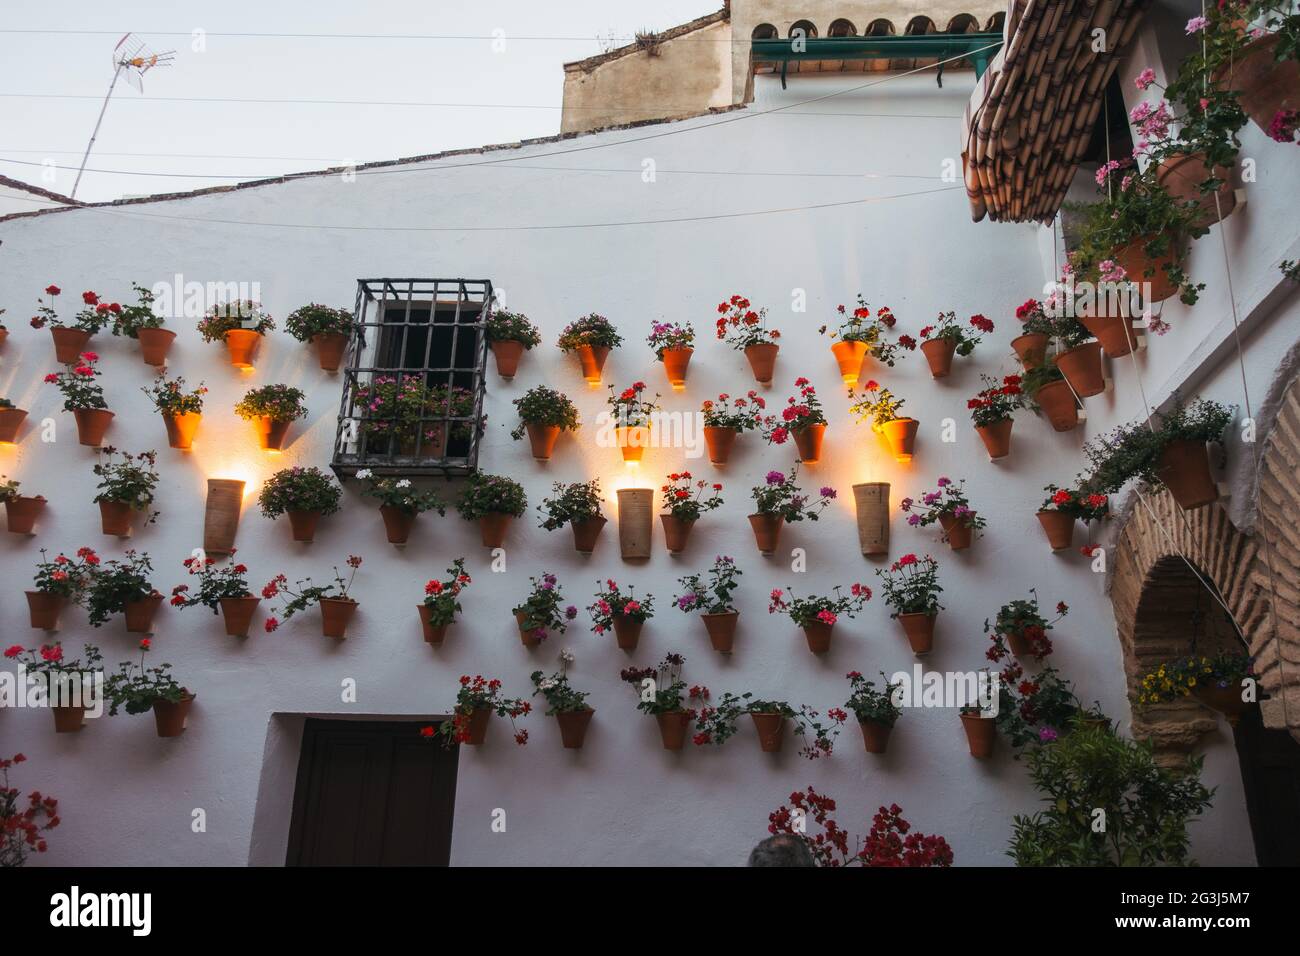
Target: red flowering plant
(116, 584)
(1022, 621)
(78, 385)
(94, 315)
(814, 609)
(66, 577)
(215, 584)
(741, 326)
(612, 602)
(997, 402)
(875, 403)
(62, 680)
(857, 325)
(304, 593)
(228, 316)
(666, 692)
(715, 724)
(889, 842)
(800, 411)
(1035, 710)
(443, 597)
(781, 495)
(911, 585)
(478, 694)
(130, 319)
(1034, 319)
(1079, 502)
(741, 414)
(21, 826)
(947, 505)
(685, 500)
(628, 408)
(947, 327)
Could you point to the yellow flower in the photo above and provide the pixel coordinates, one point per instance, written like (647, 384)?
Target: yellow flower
(1191, 682)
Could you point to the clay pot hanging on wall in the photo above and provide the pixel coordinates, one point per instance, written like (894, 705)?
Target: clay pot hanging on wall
(676, 533)
(542, 439)
(1134, 260)
(181, 429)
(1181, 175)
(69, 344)
(476, 727)
(900, 436)
(762, 361)
(808, 440)
(672, 728)
(1114, 333)
(242, 345)
(573, 727)
(1184, 468)
(1059, 405)
(44, 609)
(586, 533)
(433, 633)
(22, 513)
(303, 525)
(771, 731)
(1031, 349)
(139, 614)
(91, 425)
(397, 523)
(1225, 700)
(818, 634)
(507, 353)
(767, 531)
(237, 613)
(721, 629)
(849, 355)
(980, 734)
(627, 632)
(335, 613)
(1081, 367)
(919, 629)
(939, 353)
(875, 737)
(997, 438)
(11, 419)
(632, 440)
(272, 433)
(1264, 84)
(592, 359)
(170, 717)
(154, 345)
(719, 442)
(959, 531)
(116, 517)
(675, 363)
(68, 719)
(1059, 528)
(492, 529)
(330, 347)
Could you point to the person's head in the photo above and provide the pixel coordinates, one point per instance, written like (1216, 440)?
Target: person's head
(784, 849)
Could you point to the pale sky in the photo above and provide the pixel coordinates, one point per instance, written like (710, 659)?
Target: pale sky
(509, 94)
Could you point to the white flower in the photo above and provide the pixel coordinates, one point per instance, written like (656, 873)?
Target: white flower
(404, 483)
(546, 684)
(566, 657)
(364, 473)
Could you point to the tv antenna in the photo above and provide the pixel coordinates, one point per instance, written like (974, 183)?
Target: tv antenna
(132, 59)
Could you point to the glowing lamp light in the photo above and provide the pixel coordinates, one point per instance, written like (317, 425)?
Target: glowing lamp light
(221, 514)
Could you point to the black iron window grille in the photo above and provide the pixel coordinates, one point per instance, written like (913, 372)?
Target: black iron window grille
(414, 381)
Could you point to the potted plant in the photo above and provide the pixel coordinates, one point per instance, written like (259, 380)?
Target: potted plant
(948, 507)
(663, 695)
(441, 602)
(1052, 395)
(712, 597)
(992, 409)
(1258, 66)
(336, 604)
(859, 335)
(58, 583)
(21, 828)
(726, 418)
(491, 500)
(141, 323)
(780, 500)
(912, 589)
(180, 410)
(1035, 331)
(127, 486)
(771, 717)
(138, 689)
(540, 613)
(272, 408)
(684, 503)
(673, 344)
(304, 494)
(876, 710)
(715, 723)
(222, 590)
(70, 341)
(623, 613)
(476, 701)
(11, 419)
(407, 416)
(20, 510)
(947, 336)
(328, 328)
(1218, 681)
(981, 729)
(123, 587)
(399, 503)
(881, 407)
(67, 684)
(1021, 626)
(510, 335)
(579, 506)
(568, 706)
(632, 416)
(745, 330)
(801, 418)
(592, 337)
(543, 414)
(1063, 508)
(818, 615)
(241, 325)
(84, 397)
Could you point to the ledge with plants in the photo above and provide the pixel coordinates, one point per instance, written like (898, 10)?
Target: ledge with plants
(304, 494)
(543, 611)
(337, 606)
(21, 511)
(726, 419)
(579, 505)
(780, 500)
(441, 602)
(859, 335)
(241, 325)
(181, 410)
(1224, 681)
(327, 328)
(84, 397)
(543, 414)
(406, 416)
(273, 408)
(222, 590)
(686, 499)
(568, 706)
(138, 689)
(510, 335)
(493, 501)
(621, 611)
(591, 338)
(911, 589)
(745, 330)
(400, 503)
(879, 406)
(128, 485)
(818, 615)
(477, 701)
(711, 594)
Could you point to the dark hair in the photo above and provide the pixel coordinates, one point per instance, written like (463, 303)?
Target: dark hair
(782, 850)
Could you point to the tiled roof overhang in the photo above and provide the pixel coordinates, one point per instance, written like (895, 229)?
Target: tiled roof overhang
(1033, 112)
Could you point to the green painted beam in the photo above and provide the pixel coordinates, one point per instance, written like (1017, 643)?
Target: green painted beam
(978, 47)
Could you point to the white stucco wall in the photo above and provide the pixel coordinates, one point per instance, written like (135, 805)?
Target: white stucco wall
(127, 796)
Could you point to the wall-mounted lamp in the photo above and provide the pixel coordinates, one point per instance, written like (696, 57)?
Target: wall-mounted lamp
(221, 517)
(872, 501)
(635, 507)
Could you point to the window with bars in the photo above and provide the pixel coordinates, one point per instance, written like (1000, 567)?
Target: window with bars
(413, 384)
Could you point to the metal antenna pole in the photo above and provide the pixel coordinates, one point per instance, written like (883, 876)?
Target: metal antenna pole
(91, 145)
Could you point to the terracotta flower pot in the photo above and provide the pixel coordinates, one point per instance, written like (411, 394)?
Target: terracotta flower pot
(11, 419)
(627, 632)
(586, 533)
(69, 344)
(68, 720)
(303, 524)
(433, 633)
(1059, 405)
(676, 533)
(397, 523)
(719, 442)
(1059, 527)
(818, 635)
(181, 429)
(1031, 349)
(771, 731)
(592, 358)
(1264, 84)
(1081, 367)
(1135, 261)
(335, 613)
(1181, 175)
(272, 433)
(939, 353)
(722, 630)
(875, 736)
(154, 345)
(170, 717)
(330, 347)
(900, 435)
(526, 634)
(672, 728)
(849, 355)
(22, 513)
(1115, 333)
(1184, 468)
(238, 613)
(44, 609)
(492, 529)
(675, 362)
(242, 344)
(434, 444)
(997, 438)
(1225, 700)
(808, 440)
(91, 425)
(573, 727)
(919, 629)
(958, 531)
(762, 360)
(116, 517)
(542, 438)
(632, 441)
(140, 614)
(477, 726)
(980, 734)
(1020, 645)
(767, 531)
(507, 352)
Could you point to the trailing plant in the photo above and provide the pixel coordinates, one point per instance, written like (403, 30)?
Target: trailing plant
(115, 584)
(612, 602)
(559, 694)
(478, 694)
(215, 584)
(947, 501)
(859, 326)
(279, 403)
(545, 406)
(128, 479)
(308, 321)
(594, 330)
(136, 688)
(442, 598)
(628, 408)
(741, 326)
(948, 328)
(299, 489)
(1033, 710)
(686, 501)
(1173, 680)
(21, 826)
(1134, 450)
(814, 609)
(304, 594)
(94, 315)
(228, 316)
(130, 319)
(541, 609)
(485, 494)
(870, 705)
(66, 577)
(714, 595)
(800, 412)
(580, 501)
(78, 385)
(997, 402)
(889, 842)
(1022, 617)
(505, 326)
(400, 494)
(875, 403)
(780, 495)
(670, 335)
(742, 414)
(716, 723)
(170, 397)
(911, 585)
